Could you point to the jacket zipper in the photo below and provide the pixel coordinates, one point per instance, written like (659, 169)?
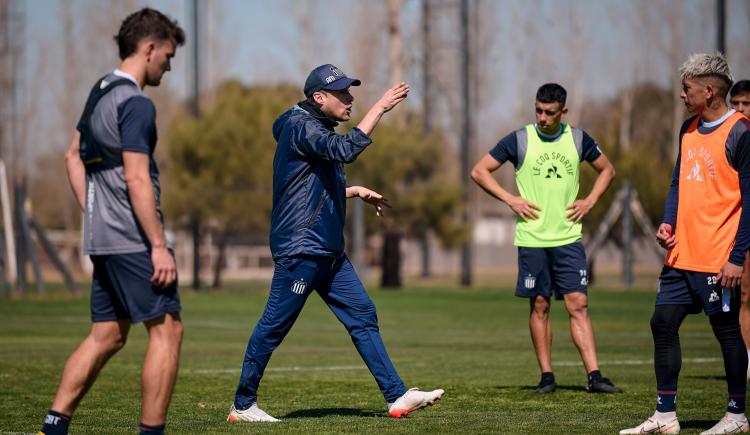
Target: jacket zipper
(317, 209)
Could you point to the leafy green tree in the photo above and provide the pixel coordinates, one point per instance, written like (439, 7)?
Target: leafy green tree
(413, 170)
(647, 162)
(219, 167)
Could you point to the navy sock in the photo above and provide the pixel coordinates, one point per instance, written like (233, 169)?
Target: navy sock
(56, 423)
(666, 398)
(736, 401)
(151, 430)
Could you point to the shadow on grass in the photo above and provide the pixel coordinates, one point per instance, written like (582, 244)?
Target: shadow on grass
(532, 388)
(327, 412)
(697, 424)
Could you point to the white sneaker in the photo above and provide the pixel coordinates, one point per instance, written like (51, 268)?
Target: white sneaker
(729, 425)
(252, 413)
(413, 400)
(653, 425)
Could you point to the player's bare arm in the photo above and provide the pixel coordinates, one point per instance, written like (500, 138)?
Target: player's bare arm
(581, 207)
(141, 192)
(482, 175)
(76, 170)
(369, 196)
(388, 101)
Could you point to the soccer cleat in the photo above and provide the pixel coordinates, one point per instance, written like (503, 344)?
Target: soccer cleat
(251, 414)
(728, 425)
(602, 385)
(653, 425)
(546, 385)
(413, 400)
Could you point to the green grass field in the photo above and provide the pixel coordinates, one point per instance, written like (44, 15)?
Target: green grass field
(473, 343)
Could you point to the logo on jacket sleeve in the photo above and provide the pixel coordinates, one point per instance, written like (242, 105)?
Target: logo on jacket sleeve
(299, 286)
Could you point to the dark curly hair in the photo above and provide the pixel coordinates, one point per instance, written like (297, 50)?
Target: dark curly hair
(147, 23)
(551, 93)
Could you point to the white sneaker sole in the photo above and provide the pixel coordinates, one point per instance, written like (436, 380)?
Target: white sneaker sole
(398, 413)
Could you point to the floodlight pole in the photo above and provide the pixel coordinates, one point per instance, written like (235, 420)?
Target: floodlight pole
(195, 221)
(466, 248)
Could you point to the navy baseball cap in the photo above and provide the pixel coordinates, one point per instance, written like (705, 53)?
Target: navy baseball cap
(328, 77)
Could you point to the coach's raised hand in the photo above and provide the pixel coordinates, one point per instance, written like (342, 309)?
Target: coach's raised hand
(388, 101)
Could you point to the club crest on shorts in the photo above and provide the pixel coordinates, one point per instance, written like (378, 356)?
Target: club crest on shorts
(529, 281)
(714, 297)
(299, 286)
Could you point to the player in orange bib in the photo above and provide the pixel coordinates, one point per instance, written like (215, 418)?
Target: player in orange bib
(739, 98)
(706, 230)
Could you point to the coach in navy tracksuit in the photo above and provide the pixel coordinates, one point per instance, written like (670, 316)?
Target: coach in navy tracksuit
(307, 241)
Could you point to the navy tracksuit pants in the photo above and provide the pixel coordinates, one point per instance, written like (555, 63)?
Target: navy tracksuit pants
(337, 283)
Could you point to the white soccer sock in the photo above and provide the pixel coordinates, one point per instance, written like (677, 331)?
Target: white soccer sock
(665, 416)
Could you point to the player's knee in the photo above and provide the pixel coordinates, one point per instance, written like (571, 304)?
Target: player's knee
(110, 343)
(167, 330)
(577, 306)
(663, 322)
(540, 307)
(369, 315)
(725, 326)
(177, 331)
(659, 322)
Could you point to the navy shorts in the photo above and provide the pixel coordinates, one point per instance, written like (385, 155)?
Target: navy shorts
(701, 290)
(542, 271)
(121, 289)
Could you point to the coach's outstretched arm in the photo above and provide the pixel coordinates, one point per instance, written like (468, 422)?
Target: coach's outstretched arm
(388, 101)
(369, 196)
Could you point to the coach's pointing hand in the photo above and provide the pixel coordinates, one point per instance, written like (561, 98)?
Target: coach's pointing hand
(370, 197)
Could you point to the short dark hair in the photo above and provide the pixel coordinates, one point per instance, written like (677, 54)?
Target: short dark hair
(147, 23)
(551, 93)
(740, 87)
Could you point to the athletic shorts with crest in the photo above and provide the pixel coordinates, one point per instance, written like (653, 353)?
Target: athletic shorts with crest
(700, 290)
(559, 270)
(121, 288)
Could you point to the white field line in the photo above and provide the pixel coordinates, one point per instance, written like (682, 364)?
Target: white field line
(627, 362)
(637, 362)
(284, 369)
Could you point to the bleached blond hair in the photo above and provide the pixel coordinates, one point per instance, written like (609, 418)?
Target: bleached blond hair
(707, 65)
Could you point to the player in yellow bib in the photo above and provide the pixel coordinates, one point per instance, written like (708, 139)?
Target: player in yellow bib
(551, 258)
